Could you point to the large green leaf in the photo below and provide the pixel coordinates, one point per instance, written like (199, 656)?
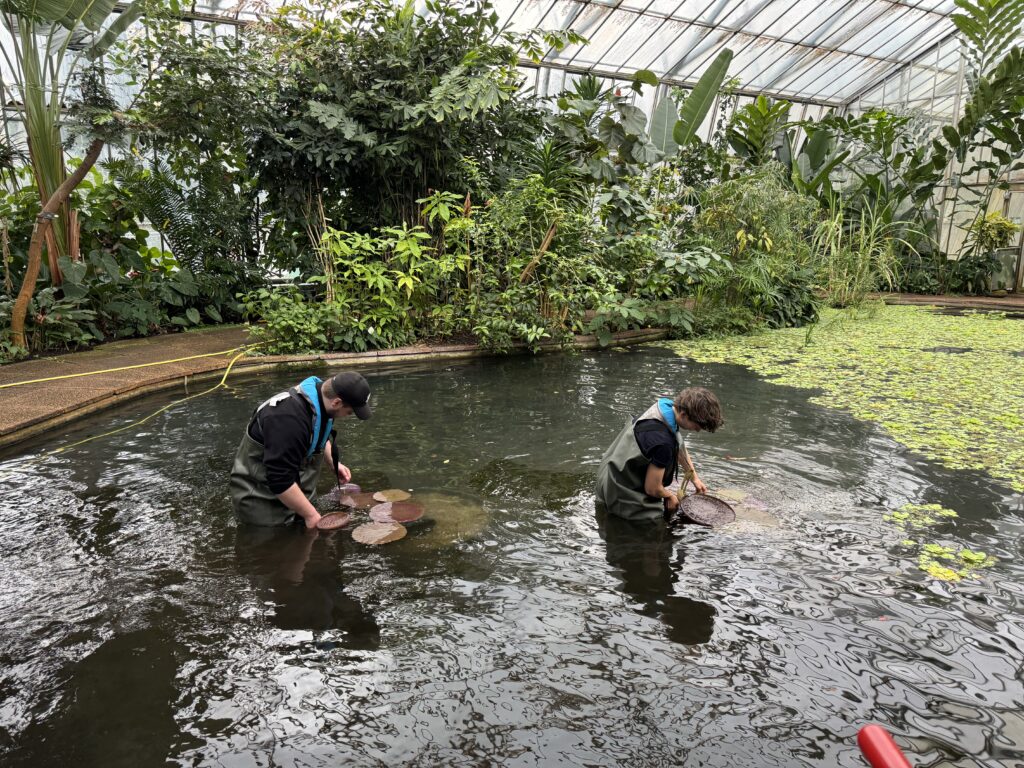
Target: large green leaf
(125, 19)
(817, 145)
(646, 152)
(610, 131)
(633, 119)
(68, 13)
(701, 98)
(663, 120)
(755, 130)
(646, 77)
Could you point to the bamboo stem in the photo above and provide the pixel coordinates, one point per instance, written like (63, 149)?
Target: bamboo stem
(536, 259)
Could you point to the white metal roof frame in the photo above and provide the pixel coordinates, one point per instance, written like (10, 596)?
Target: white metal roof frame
(814, 51)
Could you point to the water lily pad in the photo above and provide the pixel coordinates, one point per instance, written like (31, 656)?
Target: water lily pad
(396, 512)
(455, 516)
(360, 500)
(731, 494)
(337, 494)
(392, 494)
(333, 521)
(379, 533)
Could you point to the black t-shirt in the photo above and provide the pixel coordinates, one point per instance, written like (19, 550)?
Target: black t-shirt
(658, 446)
(285, 429)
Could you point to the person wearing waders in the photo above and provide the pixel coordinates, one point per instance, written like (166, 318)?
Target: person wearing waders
(637, 469)
(288, 437)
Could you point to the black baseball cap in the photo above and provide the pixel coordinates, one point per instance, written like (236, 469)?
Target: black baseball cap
(354, 390)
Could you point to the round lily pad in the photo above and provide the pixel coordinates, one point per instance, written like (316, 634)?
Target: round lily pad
(392, 494)
(337, 494)
(333, 521)
(454, 516)
(396, 512)
(706, 510)
(378, 533)
(359, 500)
(732, 494)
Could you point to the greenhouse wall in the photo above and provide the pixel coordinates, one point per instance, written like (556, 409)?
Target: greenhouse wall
(932, 87)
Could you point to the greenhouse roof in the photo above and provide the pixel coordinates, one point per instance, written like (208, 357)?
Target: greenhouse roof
(823, 51)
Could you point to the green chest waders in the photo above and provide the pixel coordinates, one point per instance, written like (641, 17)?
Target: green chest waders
(621, 476)
(251, 497)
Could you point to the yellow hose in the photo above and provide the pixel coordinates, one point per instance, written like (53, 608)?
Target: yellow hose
(157, 412)
(143, 420)
(244, 347)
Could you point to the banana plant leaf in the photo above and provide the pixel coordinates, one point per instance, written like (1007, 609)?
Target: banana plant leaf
(663, 121)
(701, 98)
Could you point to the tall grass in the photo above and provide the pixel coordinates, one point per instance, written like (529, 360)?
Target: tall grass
(857, 255)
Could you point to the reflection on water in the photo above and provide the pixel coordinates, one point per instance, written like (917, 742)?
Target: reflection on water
(648, 559)
(142, 627)
(303, 590)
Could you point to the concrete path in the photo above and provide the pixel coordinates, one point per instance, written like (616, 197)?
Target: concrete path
(84, 382)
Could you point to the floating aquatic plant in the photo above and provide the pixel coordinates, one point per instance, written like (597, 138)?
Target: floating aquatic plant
(919, 515)
(964, 410)
(948, 564)
(379, 533)
(363, 499)
(333, 521)
(392, 494)
(396, 512)
(939, 562)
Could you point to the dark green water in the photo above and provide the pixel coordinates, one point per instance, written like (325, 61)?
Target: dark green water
(140, 627)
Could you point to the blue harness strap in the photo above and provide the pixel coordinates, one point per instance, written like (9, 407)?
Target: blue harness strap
(665, 407)
(310, 389)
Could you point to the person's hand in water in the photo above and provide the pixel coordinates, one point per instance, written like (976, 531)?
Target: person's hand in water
(671, 503)
(698, 484)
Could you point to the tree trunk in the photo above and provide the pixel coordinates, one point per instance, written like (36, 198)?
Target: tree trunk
(35, 248)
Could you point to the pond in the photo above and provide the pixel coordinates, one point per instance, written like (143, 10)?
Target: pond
(142, 627)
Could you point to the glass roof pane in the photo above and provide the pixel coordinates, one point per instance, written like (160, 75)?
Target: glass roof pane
(947, 85)
(666, 46)
(614, 41)
(695, 60)
(519, 16)
(829, 77)
(884, 36)
(821, 49)
(813, 23)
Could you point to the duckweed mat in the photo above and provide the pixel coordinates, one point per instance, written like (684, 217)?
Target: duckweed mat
(891, 366)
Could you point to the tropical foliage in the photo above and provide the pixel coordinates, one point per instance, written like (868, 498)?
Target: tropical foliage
(385, 165)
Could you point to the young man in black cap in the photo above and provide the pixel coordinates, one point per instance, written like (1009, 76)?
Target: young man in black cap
(278, 461)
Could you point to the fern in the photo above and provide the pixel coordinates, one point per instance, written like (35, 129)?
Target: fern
(205, 223)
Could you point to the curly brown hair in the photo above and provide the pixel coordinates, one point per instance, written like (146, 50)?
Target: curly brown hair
(701, 407)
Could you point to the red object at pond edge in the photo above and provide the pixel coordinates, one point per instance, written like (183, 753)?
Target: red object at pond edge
(879, 748)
